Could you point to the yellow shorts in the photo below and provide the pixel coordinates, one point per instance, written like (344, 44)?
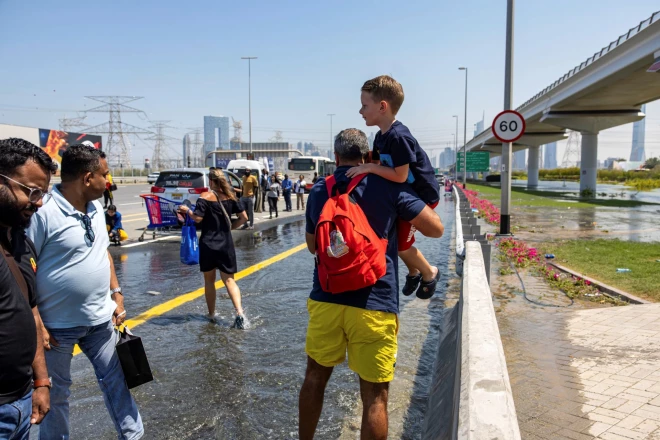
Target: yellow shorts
(368, 335)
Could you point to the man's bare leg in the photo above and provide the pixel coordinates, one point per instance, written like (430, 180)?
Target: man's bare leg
(374, 410)
(310, 402)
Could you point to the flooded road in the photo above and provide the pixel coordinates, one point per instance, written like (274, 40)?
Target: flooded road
(212, 381)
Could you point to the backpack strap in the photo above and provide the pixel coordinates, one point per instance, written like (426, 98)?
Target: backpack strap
(330, 184)
(354, 182)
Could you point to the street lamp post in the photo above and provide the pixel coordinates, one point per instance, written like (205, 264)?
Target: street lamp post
(250, 96)
(331, 147)
(456, 150)
(465, 130)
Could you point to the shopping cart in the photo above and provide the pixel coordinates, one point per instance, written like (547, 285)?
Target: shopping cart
(162, 215)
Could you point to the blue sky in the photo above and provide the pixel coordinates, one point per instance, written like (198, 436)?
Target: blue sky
(184, 58)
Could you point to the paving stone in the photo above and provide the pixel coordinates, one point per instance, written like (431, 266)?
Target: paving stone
(597, 429)
(630, 422)
(626, 432)
(613, 403)
(574, 435)
(612, 436)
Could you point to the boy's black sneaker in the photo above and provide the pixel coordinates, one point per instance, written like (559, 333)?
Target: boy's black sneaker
(411, 284)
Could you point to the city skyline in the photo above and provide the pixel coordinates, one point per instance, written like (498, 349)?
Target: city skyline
(289, 100)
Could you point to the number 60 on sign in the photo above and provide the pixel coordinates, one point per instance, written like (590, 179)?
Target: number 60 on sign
(508, 126)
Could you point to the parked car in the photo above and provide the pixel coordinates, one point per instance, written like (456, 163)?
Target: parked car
(188, 183)
(153, 177)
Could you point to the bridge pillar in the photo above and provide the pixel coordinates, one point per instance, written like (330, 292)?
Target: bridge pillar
(589, 162)
(533, 167)
(484, 175)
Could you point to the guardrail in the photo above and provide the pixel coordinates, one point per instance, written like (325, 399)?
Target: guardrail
(470, 396)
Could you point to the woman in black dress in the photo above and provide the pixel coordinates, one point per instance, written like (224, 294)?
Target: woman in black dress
(216, 246)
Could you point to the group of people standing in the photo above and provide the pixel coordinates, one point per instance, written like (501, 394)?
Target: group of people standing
(58, 289)
(44, 313)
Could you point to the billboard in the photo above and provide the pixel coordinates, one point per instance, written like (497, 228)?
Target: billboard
(55, 142)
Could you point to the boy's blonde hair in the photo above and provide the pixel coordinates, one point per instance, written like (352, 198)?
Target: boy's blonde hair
(385, 88)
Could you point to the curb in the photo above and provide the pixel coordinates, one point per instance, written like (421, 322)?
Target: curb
(613, 291)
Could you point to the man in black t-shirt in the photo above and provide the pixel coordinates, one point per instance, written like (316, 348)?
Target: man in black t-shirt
(25, 171)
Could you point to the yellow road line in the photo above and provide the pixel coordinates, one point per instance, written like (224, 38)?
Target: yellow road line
(144, 219)
(132, 215)
(167, 306)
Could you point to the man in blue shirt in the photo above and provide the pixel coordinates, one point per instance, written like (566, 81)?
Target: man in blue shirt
(287, 186)
(78, 293)
(363, 323)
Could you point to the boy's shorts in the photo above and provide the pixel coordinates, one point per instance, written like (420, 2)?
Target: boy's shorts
(370, 337)
(406, 231)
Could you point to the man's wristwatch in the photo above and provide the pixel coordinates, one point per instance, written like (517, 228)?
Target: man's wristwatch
(116, 290)
(42, 383)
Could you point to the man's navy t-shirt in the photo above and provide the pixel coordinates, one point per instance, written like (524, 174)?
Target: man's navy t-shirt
(397, 147)
(382, 202)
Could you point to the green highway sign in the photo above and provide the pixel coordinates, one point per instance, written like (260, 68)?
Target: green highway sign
(477, 161)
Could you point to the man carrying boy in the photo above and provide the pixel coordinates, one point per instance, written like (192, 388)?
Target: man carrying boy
(404, 160)
(362, 323)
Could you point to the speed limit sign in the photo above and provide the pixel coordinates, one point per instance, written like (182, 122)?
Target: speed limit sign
(508, 126)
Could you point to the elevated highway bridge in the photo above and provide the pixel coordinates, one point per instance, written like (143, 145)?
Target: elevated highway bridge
(605, 91)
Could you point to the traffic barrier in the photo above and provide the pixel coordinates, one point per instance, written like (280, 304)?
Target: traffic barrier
(486, 408)
(470, 396)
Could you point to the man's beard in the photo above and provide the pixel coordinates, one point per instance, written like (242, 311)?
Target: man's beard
(11, 214)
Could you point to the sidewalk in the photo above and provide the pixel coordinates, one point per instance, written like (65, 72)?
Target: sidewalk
(583, 373)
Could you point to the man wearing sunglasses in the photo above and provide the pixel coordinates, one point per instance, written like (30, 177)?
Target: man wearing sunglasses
(79, 297)
(25, 171)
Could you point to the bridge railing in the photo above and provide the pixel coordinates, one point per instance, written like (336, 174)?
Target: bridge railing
(614, 44)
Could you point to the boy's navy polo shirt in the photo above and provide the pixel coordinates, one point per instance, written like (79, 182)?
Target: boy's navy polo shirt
(397, 147)
(382, 202)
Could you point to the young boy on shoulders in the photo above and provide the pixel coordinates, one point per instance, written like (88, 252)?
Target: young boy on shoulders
(398, 157)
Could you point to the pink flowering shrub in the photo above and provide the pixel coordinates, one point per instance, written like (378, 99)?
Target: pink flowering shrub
(487, 210)
(521, 255)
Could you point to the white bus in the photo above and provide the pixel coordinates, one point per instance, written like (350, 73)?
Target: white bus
(308, 165)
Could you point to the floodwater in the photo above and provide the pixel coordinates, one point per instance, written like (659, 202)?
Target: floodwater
(214, 382)
(634, 224)
(652, 196)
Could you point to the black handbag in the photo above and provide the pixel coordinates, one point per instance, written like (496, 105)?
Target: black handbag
(133, 359)
(113, 187)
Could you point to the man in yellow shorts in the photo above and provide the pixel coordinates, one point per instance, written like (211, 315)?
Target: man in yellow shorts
(362, 323)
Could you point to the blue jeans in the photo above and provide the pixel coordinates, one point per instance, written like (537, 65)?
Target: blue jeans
(98, 344)
(15, 418)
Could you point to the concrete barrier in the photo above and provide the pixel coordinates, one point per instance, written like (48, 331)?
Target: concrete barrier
(486, 409)
(470, 396)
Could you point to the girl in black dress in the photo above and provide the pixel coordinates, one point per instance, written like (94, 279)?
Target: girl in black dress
(216, 246)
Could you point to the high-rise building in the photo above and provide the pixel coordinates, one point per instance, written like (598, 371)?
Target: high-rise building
(301, 147)
(371, 139)
(187, 152)
(446, 158)
(213, 124)
(638, 153)
(519, 160)
(479, 126)
(550, 156)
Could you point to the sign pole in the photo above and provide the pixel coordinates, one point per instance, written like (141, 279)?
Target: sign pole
(505, 202)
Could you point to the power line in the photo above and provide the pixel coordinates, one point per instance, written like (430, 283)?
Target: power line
(115, 129)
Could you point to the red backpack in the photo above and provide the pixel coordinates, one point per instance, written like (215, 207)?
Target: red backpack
(349, 254)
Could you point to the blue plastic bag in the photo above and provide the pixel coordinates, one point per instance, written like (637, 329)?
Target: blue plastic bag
(189, 244)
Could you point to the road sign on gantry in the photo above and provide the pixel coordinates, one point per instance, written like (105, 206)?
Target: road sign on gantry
(508, 126)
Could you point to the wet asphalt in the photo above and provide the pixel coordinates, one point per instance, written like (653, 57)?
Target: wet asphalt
(212, 381)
